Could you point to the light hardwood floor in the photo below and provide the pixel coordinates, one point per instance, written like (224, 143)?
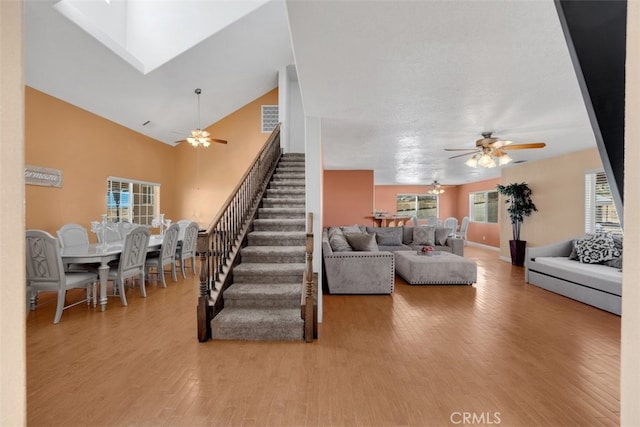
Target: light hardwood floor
(499, 352)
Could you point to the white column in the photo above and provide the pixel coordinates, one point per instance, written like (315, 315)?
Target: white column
(313, 182)
(630, 346)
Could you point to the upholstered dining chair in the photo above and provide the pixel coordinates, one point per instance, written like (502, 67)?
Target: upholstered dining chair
(131, 262)
(452, 224)
(45, 273)
(166, 256)
(464, 226)
(183, 227)
(111, 235)
(187, 250)
(73, 235)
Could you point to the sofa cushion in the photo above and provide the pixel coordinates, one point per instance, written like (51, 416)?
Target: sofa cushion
(338, 241)
(424, 235)
(362, 241)
(596, 249)
(407, 235)
(441, 235)
(388, 236)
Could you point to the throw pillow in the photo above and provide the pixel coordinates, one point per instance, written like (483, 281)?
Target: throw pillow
(615, 262)
(362, 241)
(352, 229)
(407, 235)
(424, 235)
(441, 235)
(574, 250)
(338, 241)
(387, 236)
(596, 249)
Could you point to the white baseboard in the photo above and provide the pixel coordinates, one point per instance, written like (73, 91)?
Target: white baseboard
(480, 245)
(505, 258)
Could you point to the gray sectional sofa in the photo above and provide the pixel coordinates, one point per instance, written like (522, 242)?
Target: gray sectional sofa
(551, 268)
(370, 268)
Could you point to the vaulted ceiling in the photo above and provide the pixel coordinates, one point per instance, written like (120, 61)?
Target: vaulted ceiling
(393, 82)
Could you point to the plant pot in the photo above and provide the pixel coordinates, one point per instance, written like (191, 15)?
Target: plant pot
(518, 248)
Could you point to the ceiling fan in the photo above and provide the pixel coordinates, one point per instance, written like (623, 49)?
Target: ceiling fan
(199, 136)
(491, 151)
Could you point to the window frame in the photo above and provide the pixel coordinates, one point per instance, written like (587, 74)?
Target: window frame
(416, 205)
(593, 178)
(486, 203)
(143, 202)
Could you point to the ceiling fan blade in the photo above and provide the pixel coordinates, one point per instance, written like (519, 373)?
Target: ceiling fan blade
(500, 144)
(221, 141)
(525, 146)
(465, 154)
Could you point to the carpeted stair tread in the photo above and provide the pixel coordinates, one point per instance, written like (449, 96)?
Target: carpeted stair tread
(291, 213)
(289, 291)
(273, 254)
(288, 269)
(279, 224)
(273, 324)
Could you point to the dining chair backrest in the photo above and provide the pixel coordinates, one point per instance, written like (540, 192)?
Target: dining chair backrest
(44, 263)
(183, 223)
(124, 227)
(451, 223)
(464, 226)
(134, 252)
(73, 235)
(190, 240)
(169, 244)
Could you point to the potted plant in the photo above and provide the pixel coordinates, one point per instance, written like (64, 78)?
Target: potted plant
(518, 197)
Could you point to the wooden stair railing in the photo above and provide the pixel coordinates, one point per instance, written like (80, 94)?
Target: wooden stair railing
(219, 244)
(309, 306)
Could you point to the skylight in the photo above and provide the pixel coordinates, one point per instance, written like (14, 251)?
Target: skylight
(149, 33)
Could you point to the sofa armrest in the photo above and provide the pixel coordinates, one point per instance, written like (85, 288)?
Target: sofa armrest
(360, 272)
(457, 245)
(558, 249)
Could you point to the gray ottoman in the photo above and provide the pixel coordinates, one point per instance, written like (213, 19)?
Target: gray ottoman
(442, 269)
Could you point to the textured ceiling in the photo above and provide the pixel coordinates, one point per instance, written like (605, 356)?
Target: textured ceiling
(393, 82)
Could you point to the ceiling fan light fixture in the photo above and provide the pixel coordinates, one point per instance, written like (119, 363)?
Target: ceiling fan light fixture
(486, 161)
(436, 188)
(504, 159)
(472, 161)
(199, 136)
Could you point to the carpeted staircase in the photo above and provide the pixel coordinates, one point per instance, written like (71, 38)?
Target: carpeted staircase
(263, 303)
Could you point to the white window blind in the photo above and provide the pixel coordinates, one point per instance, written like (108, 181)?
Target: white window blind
(599, 210)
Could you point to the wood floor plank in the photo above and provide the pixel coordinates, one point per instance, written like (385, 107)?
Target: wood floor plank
(419, 357)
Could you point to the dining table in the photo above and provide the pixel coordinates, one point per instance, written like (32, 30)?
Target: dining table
(103, 254)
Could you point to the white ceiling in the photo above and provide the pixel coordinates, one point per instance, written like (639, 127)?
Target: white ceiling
(394, 82)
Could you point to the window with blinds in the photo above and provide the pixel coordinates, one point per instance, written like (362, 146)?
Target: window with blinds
(483, 207)
(418, 205)
(599, 210)
(133, 201)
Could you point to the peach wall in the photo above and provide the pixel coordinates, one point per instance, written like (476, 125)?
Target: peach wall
(206, 177)
(483, 233)
(347, 197)
(558, 192)
(386, 196)
(88, 149)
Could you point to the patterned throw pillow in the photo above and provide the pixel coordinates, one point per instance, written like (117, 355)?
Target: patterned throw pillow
(424, 235)
(362, 241)
(596, 249)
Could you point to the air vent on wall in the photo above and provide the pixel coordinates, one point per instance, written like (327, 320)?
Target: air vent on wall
(270, 118)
